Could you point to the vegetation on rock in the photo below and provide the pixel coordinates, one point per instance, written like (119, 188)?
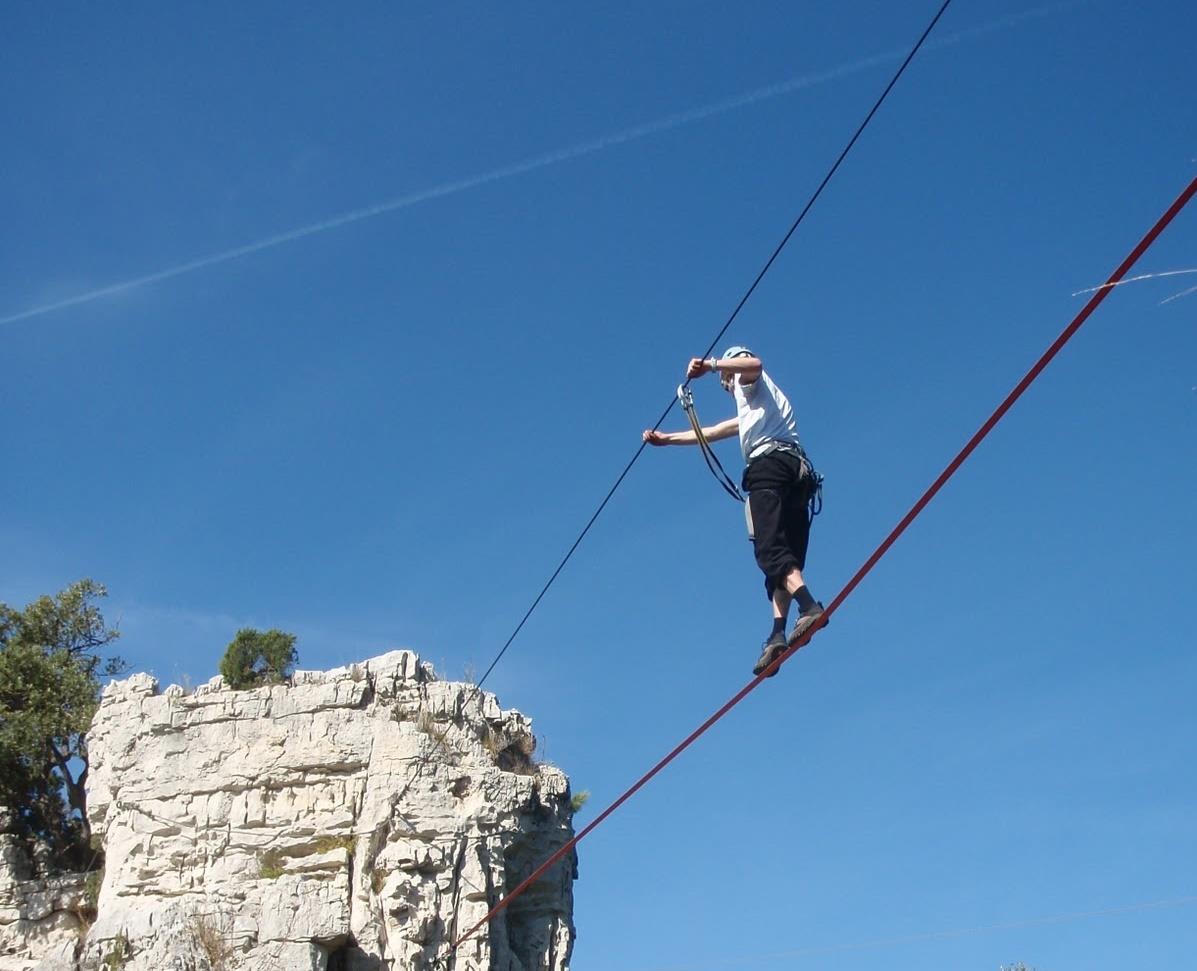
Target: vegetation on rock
(118, 954)
(270, 865)
(255, 658)
(50, 673)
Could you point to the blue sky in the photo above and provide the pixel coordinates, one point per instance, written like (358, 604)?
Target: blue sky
(386, 432)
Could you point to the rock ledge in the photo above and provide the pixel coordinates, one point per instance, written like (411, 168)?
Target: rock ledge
(355, 819)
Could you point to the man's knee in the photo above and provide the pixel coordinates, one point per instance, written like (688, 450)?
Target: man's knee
(776, 563)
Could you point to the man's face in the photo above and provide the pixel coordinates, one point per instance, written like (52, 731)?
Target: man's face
(728, 381)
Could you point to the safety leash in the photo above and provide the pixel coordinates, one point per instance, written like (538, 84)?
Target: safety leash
(686, 397)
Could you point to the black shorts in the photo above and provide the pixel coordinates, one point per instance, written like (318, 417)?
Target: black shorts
(778, 500)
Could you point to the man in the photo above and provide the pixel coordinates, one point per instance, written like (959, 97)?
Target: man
(779, 481)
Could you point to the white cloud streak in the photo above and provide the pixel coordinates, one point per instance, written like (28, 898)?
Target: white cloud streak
(1135, 279)
(1177, 296)
(536, 162)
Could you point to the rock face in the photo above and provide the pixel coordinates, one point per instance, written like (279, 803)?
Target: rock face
(360, 818)
(37, 917)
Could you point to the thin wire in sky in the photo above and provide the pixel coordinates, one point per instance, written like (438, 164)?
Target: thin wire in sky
(536, 162)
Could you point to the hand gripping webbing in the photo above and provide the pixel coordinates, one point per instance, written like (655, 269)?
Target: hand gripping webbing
(686, 397)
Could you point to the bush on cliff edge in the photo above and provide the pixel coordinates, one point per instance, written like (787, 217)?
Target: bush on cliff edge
(255, 658)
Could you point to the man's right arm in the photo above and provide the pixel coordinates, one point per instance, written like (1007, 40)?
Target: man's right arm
(713, 433)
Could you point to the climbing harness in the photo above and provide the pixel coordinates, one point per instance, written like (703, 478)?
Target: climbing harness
(814, 500)
(810, 476)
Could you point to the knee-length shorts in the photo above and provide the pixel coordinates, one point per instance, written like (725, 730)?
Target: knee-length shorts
(778, 487)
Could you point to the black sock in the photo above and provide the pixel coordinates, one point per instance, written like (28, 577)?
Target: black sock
(779, 625)
(805, 600)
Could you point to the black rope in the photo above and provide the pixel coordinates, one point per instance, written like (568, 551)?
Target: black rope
(827, 178)
(565, 559)
(723, 330)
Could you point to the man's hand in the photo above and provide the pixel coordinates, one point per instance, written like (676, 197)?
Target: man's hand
(697, 368)
(655, 438)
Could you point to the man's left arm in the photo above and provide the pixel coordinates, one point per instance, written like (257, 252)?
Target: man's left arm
(749, 368)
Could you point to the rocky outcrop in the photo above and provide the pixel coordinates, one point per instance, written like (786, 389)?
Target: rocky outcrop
(359, 818)
(39, 918)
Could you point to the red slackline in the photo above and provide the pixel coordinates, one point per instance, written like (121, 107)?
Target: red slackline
(881, 550)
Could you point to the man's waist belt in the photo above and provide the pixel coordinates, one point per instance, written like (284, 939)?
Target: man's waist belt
(773, 445)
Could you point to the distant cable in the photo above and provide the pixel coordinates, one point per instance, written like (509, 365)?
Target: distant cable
(860, 574)
(722, 330)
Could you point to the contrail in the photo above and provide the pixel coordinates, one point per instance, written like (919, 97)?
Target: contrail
(1177, 296)
(541, 161)
(1136, 279)
(937, 935)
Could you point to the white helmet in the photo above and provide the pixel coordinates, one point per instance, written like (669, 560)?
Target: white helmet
(736, 350)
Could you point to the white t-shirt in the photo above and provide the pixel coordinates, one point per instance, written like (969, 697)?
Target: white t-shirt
(764, 414)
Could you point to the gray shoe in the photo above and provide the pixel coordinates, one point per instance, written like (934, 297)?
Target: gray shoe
(774, 648)
(806, 624)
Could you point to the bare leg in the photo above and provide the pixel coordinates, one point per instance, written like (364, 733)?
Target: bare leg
(781, 602)
(793, 581)
(783, 596)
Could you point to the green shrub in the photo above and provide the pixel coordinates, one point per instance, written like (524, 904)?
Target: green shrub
(270, 865)
(91, 891)
(327, 843)
(254, 658)
(115, 959)
(51, 671)
(578, 800)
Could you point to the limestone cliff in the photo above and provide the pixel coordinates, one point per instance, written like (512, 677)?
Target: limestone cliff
(38, 917)
(356, 819)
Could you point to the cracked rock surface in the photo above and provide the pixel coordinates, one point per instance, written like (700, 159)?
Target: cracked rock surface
(359, 818)
(38, 917)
